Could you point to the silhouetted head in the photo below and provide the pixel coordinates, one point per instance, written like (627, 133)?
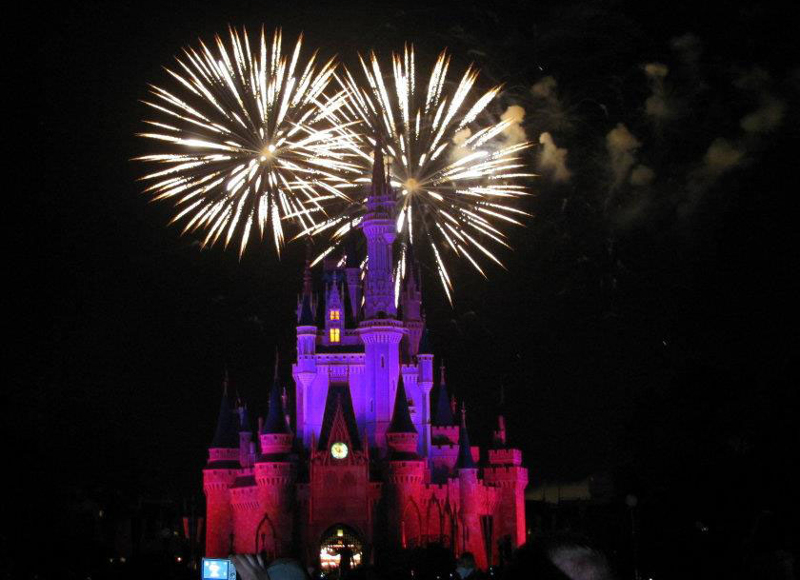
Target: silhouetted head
(466, 560)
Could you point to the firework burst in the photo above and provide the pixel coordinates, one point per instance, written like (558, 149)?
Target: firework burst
(249, 139)
(457, 174)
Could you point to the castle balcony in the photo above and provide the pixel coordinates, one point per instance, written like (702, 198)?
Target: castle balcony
(381, 331)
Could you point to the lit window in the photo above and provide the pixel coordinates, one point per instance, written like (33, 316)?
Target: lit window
(334, 315)
(334, 335)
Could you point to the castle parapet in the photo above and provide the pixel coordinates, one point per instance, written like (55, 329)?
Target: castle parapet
(505, 457)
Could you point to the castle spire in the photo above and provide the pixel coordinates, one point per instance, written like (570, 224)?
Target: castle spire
(378, 166)
(307, 271)
(378, 226)
(226, 434)
(276, 416)
(401, 418)
(444, 413)
(411, 300)
(305, 306)
(465, 460)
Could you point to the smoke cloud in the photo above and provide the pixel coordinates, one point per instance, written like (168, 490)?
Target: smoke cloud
(514, 133)
(553, 159)
(545, 88)
(549, 113)
(461, 136)
(459, 152)
(722, 156)
(641, 176)
(766, 118)
(657, 106)
(622, 147)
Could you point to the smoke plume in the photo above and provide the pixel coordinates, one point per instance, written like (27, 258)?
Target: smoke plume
(553, 159)
(766, 118)
(656, 106)
(622, 147)
(514, 133)
(641, 176)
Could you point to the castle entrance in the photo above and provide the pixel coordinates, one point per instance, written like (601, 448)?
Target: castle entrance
(340, 549)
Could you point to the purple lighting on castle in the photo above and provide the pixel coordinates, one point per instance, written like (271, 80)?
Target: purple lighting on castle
(364, 431)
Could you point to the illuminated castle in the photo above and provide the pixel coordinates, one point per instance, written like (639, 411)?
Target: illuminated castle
(370, 466)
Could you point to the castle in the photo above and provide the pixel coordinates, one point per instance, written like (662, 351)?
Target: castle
(371, 465)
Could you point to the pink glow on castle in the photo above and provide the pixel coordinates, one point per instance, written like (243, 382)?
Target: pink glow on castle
(369, 466)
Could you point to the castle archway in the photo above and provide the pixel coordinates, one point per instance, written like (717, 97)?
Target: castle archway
(265, 538)
(340, 547)
(435, 522)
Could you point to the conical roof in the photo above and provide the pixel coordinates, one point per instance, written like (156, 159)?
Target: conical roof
(425, 343)
(244, 419)
(444, 413)
(226, 434)
(276, 415)
(465, 460)
(401, 418)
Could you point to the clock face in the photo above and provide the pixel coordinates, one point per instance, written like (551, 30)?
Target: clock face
(339, 450)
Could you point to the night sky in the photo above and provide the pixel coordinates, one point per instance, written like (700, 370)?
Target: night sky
(643, 327)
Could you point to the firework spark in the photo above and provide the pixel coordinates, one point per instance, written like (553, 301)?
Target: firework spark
(457, 174)
(250, 139)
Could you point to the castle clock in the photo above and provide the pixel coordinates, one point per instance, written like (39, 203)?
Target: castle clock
(339, 450)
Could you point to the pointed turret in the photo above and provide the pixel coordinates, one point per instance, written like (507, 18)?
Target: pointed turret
(411, 301)
(226, 434)
(334, 310)
(425, 343)
(499, 435)
(401, 418)
(244, 419)
(465, 460)
(378, 166)
(305, 308)
(401, 436)
(276, 415)
(444, 413)
(353, 275)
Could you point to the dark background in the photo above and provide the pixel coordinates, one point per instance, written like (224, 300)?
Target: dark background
(657, 353)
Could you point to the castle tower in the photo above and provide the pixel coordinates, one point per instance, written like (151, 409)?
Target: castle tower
(505, 471)
(444, 434)
(425, 382)
(218, 475)
(379, 331)
(404, 474)
(275, 476)
(411, 301)
(305, 370)
(334, 312)
(379, 229)
(353, 274)
(470, 539)
(245, 437)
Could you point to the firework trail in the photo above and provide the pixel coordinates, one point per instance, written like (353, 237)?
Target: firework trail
(249, 139)
(456, 174)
